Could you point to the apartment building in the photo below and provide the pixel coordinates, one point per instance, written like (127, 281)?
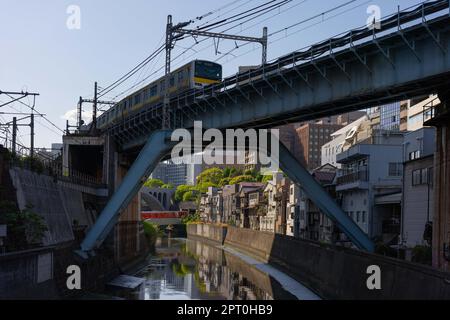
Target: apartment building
(369, 184)
(312, 137)
(418, 188)
(311, 223)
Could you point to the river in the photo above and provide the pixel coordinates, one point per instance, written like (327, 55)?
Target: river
(184, 269)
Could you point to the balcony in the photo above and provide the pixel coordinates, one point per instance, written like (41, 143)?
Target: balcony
(362, 175)
(435, 112)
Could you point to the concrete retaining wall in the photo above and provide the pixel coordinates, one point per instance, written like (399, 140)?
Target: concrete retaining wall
(57, 204)
(335, 272)
(209, 232)
(28, 275)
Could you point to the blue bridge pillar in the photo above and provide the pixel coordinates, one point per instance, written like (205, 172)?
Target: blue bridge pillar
(297, 173)
(157, 146)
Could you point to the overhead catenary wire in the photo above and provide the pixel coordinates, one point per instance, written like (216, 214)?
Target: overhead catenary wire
(322, 14)
(265, 11)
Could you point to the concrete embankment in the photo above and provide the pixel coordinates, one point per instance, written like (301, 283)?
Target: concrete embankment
(330, 271)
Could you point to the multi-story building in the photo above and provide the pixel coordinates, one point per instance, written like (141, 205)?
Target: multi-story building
(170, 172)
(178, 172)
(385, 117)
(370, 182)
(268, 221)
(312, 137)
(311, 223)
(413, 112)
(230, 202)
(211, 206)
(293, 211)
(341, 140)
(440, 119)
(248, 214)
(288, 136)
(418, 200)
(282, 198)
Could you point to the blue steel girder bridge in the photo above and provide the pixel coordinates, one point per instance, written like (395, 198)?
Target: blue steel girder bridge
(408, 56)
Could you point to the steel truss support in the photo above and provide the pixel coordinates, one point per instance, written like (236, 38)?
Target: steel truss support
(297, 173)
(157, 146)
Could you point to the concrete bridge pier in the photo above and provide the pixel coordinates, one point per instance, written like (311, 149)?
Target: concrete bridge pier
(158, 146)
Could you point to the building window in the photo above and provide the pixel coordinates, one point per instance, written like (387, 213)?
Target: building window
(414, 155)
(416, 178)
(357, 216)
(395, 169)
(364, 217)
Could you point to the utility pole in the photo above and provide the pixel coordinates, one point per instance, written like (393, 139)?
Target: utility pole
(80, 113)
(94, 109)
(15, 93)
(14, 136)
(32, 135)
(173, 33)
(15, 126)
(95, 102)
(169, 46)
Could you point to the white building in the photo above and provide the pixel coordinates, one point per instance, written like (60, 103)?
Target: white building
(293, 211)
(370, 182)
(341, 140)
(267, 222)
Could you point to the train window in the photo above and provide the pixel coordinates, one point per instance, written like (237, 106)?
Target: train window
(172, 81)
(208, 70)
(180, 76)
(162, 86)
(129, 102)
(137, 99)
(153, 91)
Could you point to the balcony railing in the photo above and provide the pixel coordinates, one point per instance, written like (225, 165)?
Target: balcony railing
(433, 109)
(362, 175)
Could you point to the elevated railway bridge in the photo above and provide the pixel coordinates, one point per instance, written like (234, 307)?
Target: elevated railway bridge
(407, 57)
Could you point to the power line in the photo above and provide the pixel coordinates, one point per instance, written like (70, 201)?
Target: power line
(131, 73)
(264, 10)
(276, 6)
(299, 23)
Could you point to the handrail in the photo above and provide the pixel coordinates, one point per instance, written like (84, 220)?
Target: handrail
(307, 54)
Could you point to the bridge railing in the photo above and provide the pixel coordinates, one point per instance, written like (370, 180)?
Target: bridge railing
(307, 55)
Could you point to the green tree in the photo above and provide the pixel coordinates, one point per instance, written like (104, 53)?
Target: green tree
(189, 196)
(266, 178)
(181, 190)
(226, 172)
(154, 183)
(167, 186)
(235, 172)
(211, 176)
(244, 178)
(224, 181)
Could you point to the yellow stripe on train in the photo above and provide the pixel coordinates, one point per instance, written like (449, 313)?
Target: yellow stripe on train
(203, 80)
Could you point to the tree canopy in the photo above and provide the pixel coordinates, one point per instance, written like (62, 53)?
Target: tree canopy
(154, 183)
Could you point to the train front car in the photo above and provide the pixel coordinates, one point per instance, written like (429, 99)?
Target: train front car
(206, 73)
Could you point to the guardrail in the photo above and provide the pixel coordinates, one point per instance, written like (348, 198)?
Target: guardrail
(297, 58)
(362, 175)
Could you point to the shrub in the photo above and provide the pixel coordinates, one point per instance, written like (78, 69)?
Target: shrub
(421, 254)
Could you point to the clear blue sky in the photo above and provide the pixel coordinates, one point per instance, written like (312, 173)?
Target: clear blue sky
(39, 53)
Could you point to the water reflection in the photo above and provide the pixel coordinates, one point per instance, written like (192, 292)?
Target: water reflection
(187, 270)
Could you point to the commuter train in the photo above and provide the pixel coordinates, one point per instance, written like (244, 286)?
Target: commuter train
(195, 74)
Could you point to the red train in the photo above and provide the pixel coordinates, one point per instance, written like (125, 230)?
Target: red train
(163, 214)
